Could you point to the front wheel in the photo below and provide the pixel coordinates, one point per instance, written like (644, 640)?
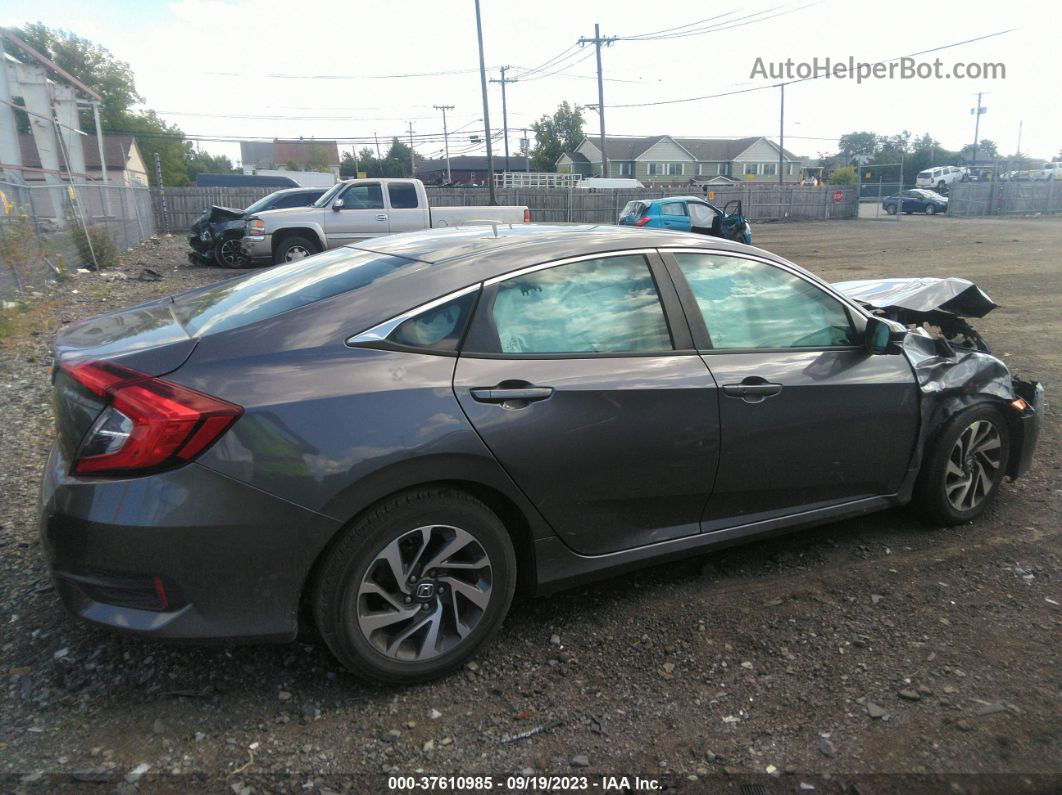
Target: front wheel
(229, 254)
(962, 473)
(890, 209)
(931, 210)
(293, 248)
(415, 587)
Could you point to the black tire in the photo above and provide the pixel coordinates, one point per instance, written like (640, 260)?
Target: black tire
(890, 209)
(229, 254)
(293, 248)
(340, 602)
(942, 187)
(938, 468)
(931, 210)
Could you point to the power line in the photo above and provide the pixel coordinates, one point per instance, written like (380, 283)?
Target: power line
(289, 76)
(730, 24)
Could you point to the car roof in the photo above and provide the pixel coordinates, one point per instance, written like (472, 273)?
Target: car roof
(499, 249)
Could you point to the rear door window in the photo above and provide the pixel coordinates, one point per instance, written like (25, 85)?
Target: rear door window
(603, 305)
(673, 208)
(402, 195)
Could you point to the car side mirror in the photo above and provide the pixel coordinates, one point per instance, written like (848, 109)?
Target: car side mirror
(877, 336)
(337, 205)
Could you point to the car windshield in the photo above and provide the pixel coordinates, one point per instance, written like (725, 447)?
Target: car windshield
(931, 194)
(240, 302)
(330, 194)
(260, 204)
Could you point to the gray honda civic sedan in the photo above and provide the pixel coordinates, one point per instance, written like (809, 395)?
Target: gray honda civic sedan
(391, 438)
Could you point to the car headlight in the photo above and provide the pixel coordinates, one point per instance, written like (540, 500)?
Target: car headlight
(256, 226)
(205, 235)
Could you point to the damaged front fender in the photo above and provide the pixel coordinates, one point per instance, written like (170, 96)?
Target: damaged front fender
(952, 378)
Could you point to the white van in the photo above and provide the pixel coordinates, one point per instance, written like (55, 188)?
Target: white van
(940, 177)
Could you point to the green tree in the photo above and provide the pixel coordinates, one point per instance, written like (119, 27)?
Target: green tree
(854, 144)
(113, 80)
(206, 163)
(986, 150)
(556, 134)
(398, 162)
(843, 176)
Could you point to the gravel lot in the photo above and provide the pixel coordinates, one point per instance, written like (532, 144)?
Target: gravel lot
(867, 647)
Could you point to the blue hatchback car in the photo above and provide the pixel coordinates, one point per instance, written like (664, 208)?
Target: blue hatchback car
(689, 214)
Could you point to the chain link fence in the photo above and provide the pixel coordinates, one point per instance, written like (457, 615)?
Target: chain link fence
(49, 230)
(1006, 198)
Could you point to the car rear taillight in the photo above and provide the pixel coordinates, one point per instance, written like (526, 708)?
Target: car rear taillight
(149, 424)
(527, 215)
(642, 221)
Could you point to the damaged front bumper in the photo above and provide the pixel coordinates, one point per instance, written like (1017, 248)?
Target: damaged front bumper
(952, 362)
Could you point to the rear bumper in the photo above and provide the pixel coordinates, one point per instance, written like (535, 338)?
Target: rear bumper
(185, 554)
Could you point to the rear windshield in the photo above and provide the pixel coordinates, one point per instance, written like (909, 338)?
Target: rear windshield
(240, 302)
(634, 208)
(923, 173)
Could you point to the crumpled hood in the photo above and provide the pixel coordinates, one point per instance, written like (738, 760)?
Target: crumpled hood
(921, 294)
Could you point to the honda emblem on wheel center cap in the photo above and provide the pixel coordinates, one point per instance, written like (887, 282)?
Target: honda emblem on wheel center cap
(426, 590)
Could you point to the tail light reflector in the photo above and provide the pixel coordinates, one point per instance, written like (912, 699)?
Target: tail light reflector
(642, 221)
(149, 424)
(527, 215)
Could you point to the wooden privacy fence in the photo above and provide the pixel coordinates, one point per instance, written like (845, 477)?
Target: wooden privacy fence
(1005, 198)
(177, 208)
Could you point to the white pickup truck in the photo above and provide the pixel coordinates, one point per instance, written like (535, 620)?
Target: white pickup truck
(354, 210)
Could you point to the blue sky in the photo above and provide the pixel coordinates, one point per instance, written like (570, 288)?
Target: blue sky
(206, 65)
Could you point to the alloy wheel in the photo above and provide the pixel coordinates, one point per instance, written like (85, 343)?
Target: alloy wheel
(973, 465)
(424, 593)
(229, 253)
(296, 253)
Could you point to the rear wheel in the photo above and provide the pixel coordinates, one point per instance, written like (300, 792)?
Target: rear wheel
(294, 248)
(942, 187)
(931, 210)
(415, 587)
(890, 209)
(962, 473)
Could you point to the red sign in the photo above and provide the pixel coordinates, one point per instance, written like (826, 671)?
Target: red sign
(838, 196)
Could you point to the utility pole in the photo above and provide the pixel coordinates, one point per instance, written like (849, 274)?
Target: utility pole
(377, 137)
(412, 154)
(597, 42)
(525, 147)
(977, 125)
(781, 133)
(1020, 123)
(446, 139)
(486, 108)
(505, 112)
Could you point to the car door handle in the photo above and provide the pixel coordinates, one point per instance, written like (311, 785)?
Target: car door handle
(381, 216)
(502, 394)
(752, 390)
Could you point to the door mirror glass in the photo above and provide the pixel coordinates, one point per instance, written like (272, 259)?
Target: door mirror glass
(337, 205)
(876, 338)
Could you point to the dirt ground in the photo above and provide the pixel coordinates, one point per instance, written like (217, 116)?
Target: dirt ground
(873, 655)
